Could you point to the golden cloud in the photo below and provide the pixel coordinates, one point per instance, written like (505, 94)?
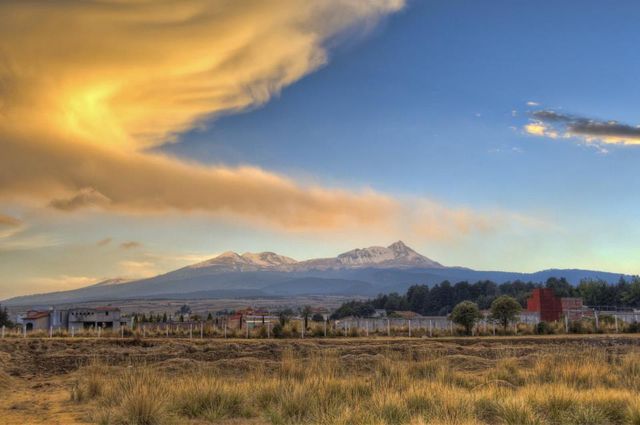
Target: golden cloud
(87, 87)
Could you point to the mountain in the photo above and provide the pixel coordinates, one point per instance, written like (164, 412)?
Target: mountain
(230, 261)
(359, 272)
(396, 255)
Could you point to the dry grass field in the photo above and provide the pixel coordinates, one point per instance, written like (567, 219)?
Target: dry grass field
(510, 380)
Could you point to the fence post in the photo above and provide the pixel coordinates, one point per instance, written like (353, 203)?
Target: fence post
(451, 327)
(269, 329)
(121, 331)
(344, 326)
(201, 330)
(50, 331)
(595, 312)
(144, 331)
(366, 327)
(73, 331)
(566, 323)
(409, 328)
(430, 328)
(24, 331)
(494, 328)
(246, 325)
(615, 316)
(325, 328)
(190, 330)
(225, 329)
(388, 327)
(166, 329)
(302, 328)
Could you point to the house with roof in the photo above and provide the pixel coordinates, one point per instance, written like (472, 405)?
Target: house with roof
(106, 317)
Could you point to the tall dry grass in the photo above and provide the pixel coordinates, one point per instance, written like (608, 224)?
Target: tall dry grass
(575, 388)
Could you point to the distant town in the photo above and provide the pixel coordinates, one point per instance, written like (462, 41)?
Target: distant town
(543, 311)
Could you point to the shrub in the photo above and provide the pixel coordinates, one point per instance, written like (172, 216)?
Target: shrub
(544, 328)
(466, 314)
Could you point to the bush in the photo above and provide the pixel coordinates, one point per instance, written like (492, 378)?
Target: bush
(544, 328)
(277, 331)
(633, 327)
(577, 327)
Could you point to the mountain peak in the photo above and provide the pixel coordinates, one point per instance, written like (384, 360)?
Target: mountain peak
(398, 254)
(400, 247)
(395, 255)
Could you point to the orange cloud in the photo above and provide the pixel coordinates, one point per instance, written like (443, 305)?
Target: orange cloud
(8, 221)
(88, 87)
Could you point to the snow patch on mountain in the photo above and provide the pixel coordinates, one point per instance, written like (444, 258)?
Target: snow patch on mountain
(395, 255)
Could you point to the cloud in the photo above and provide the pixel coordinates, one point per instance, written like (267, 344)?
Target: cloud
(130, 245)
(553, 124)
(60, 283)
(86, 197)
(532, 103)
(81, 104)
(87, 88)
(8, 221)
(104, 242)
(139, 269)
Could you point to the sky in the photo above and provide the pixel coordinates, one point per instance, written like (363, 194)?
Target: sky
(139, 137)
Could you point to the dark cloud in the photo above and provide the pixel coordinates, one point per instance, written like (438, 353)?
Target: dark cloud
(86, 197)
(130, 245)
(605, 131)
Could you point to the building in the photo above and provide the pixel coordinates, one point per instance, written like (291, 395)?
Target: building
(550, 308)
(103, 317)
(76, 318)
(545, 302)
(35, 320)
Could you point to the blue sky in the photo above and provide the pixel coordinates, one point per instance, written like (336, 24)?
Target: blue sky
(424, 106)
(493, 134)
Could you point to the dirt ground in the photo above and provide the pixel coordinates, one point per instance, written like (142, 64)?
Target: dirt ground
(36, 374)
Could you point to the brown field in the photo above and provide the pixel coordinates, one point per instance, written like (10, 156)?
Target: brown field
(509, 380)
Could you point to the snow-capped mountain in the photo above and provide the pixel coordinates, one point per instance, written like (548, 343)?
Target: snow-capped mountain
(395, 255)
(231, 261)
(359, 272)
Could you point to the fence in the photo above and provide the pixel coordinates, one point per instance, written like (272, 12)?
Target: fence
(435, 326)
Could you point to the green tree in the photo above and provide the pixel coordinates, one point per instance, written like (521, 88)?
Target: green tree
(466, 314)
(209, 318)
(560, 287)
(505, 309)
(631, 295)
(164, 317)
(4, 317)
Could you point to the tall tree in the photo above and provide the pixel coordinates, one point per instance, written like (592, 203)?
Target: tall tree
(4, 317)
(505, 309)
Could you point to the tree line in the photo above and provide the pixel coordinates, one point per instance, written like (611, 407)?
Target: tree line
(440, 299)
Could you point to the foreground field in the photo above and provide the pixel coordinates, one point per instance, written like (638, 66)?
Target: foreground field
(550, 380)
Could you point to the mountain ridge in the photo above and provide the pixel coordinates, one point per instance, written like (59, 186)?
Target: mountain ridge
(358, 272)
